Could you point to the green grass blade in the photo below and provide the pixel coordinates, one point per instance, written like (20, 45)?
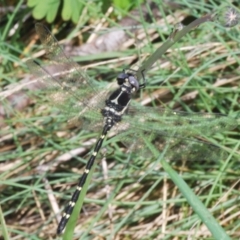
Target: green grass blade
(69, 230)
(202, 212)
(3, 225)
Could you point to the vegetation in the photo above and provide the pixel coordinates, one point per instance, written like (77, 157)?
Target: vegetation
(129, 197)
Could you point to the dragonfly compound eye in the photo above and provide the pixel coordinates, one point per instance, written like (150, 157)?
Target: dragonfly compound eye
(134, 82)
(121, 78)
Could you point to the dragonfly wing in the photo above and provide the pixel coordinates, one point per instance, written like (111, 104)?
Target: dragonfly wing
(152, 145)
(153, 130)
(67, 85)
(177, 123)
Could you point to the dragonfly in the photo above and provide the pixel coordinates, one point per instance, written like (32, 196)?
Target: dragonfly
(148, 129)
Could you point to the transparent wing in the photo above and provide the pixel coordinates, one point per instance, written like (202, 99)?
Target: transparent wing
(64, 71)
(177, 123)
(149, 131)
(151, 145)
(67, 85)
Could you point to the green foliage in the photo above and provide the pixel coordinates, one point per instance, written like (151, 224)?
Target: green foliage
(123, 4)
(48, 9)
(44, 9)
(72, 9)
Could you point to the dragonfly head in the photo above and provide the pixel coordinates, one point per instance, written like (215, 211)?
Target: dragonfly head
(128, 78)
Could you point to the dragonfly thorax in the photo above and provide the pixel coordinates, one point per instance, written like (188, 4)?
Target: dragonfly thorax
(118, 101)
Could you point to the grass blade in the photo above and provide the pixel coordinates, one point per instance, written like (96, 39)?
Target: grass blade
(199, 208)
